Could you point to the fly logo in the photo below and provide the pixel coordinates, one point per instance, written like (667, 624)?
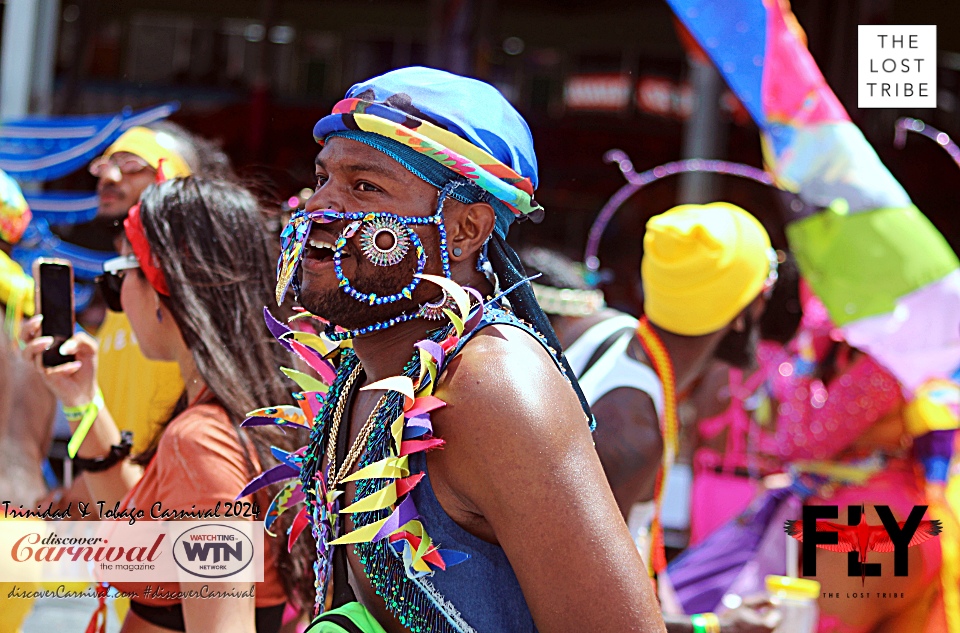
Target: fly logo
(213, 551)
(858, 537)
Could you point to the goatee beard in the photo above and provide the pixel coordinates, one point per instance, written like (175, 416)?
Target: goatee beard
(339, 308)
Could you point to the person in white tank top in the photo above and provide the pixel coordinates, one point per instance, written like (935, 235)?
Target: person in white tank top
(706, 271)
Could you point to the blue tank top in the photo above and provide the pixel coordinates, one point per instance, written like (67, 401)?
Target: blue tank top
(480, 595)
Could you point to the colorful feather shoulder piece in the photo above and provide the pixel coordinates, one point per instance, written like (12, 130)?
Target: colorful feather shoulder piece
(411, 431)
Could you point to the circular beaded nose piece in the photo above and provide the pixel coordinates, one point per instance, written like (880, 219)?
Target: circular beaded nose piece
(384, 240)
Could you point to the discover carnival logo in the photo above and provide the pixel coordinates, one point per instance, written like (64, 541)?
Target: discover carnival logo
(143, 552)
(213, 551)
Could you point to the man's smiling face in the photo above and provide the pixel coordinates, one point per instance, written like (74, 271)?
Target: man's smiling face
(354, 177)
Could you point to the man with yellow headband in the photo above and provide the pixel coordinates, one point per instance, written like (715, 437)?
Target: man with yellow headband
(130, 165)
(706, 270)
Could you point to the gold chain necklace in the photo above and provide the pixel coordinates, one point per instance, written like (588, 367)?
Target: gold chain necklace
(358, 444)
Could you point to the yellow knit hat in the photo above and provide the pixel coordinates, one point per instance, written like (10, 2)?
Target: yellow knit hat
(702, 265)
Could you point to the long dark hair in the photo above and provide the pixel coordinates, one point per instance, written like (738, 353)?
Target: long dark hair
(211, 243)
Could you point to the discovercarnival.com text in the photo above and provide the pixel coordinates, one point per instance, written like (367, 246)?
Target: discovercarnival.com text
(149, 591)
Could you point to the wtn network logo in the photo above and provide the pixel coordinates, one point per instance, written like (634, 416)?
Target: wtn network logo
(213, 551)
(201, 551)
(858, 537)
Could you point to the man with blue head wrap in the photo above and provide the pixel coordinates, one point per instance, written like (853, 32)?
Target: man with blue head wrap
(422, 173)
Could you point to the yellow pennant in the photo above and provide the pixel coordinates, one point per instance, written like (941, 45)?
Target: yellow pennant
(389, 468)
(383, 498)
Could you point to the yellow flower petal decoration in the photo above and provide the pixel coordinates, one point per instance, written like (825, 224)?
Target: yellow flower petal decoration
(316, 342)
(360, 535)
(428, 366)
(416, 528)
(396, 429)
(457, 321)
(402, 384)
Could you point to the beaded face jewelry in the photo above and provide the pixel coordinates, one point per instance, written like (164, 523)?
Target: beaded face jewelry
(390, 232)
(293, 238)
(396, 229)
(374, 224)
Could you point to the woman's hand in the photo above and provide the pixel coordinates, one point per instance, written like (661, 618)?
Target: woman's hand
(74, 383)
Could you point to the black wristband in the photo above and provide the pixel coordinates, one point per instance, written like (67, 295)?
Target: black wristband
(117, 453)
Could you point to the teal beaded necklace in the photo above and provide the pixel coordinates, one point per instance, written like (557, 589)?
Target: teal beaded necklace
(405, 598)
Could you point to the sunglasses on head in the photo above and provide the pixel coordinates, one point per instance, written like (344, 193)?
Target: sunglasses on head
(126, 165)
(111, 280)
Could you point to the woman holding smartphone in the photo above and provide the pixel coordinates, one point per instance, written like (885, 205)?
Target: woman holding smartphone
(194, 274)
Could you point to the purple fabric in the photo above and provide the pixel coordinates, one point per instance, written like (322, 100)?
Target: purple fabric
(737, 557)
(261, 421)
(433, 349)
(404, 513)
(277, 328)
(417, 427)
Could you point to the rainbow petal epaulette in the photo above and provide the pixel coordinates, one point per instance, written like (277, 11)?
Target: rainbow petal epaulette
(411, 432)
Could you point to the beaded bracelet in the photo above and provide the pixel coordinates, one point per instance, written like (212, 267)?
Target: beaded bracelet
(85, 415)
(705, 623)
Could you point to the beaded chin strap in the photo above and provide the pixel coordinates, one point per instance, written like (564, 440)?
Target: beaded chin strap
(373, 228)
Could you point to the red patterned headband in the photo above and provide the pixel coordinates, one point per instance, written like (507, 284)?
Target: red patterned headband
(133, 226)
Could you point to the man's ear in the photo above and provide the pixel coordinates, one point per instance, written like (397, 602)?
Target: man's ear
(468, 227)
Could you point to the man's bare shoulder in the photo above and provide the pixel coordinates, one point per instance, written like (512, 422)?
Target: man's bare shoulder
(504, 369)
(511, 416)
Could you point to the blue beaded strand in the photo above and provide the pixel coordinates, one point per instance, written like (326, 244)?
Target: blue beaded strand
(331, 333)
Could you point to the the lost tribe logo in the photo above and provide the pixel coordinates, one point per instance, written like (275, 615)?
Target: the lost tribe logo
(858, 538)
(213, 551)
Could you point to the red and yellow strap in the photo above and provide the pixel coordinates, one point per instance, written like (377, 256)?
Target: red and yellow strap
(670, 428)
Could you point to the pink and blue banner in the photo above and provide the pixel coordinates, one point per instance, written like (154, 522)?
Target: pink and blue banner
(886, 275)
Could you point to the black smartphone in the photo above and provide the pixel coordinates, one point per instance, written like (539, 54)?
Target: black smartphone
(54, 300)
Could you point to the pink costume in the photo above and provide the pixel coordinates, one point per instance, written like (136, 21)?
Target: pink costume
(817, 428)
(813, 421)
